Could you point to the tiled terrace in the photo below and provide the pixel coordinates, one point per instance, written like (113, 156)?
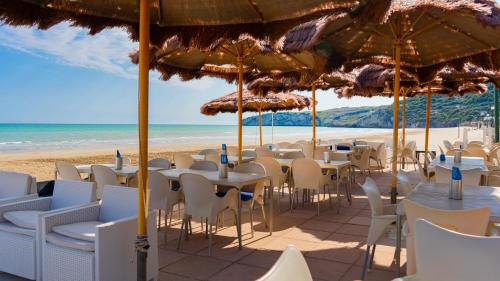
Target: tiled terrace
(333, 244)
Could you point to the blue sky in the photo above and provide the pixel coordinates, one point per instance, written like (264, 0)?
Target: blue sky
(65, 76)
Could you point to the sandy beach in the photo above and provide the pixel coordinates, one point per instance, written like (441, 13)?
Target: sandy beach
(41, 163)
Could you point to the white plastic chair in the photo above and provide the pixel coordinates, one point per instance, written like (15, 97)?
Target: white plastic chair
(126, 161)
(361, 161)
(214, 158)
(307, 175)
(318, 152)
(382, 217)
(308, 150)
(208, 151)
(201, 201)
(103, 176)
(162, 196)
(478, 152)
(295, 146)
(254, 193)
(278, 177)
(183, 161)
(248, 153)
(15, 187)
(472, 222)
(283, 144)
(404, 184)
(67, 171)
(291, 266)
(377, 155)
(301, 142)
(293, 155)
(97, 242)
(448, 145)
(20, 230)
(408, 152)
(205, 166)
(446, 255)
(263, 152)
(469, 177)
(159, 163)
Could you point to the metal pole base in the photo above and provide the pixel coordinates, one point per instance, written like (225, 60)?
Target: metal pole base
(394, 196)
(141, 247)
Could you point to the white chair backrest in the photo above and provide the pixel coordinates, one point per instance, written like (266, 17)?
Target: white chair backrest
(272, 168)
(253, 168)
(118, 202)
(126, 161)
(474, 145)
(477, 152)
(446, 255)
(159, 187)
(308, 150)
(306, 173)
(283, 144)
(213, 157)
(199, 195)
(360, 142)
(301, 142)
(205, 166)
(103, 176)
(469, 177)
(248, 153)
(291, 266)
(294, 155)
(208, 151)
(295, 146)
(72, 193)
(159, 163)
(448, 145)
(404, 184)
(67, 171)
(412, 145)
(374, 198)
(14, 184)
(263, 152)
(476, 142)
(183, 161)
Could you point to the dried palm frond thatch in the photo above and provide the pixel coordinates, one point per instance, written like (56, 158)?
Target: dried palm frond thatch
(274, 101)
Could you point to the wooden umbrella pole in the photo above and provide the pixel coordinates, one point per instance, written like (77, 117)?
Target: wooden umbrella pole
(142, 235)
(240, 107)
(260, 127)
(394, 181)
(314, 115)
(403, 125)
(427, 119)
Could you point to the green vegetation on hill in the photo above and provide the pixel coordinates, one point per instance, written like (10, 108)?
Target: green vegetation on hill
(445, 112)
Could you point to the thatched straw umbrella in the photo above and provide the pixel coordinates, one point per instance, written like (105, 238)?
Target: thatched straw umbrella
(231, 59)
(273, 101)
(375, 80)
(419, 35)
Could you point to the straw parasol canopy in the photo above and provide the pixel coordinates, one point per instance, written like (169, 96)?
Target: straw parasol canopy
(273, 101)
(221, 60)
(431, 34)
(471, 73)
(197, 23)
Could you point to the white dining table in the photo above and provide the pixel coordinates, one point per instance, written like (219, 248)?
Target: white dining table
(467, 163)
(332, 165)
(234, 179)
(128, 171)
(435, 195)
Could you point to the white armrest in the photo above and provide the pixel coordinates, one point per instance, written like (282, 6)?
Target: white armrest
(9, 200)
(69, 215)
(407, 278)
(115, 247)
(41, 204)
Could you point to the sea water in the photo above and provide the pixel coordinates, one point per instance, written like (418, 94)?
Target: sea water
(47, 137)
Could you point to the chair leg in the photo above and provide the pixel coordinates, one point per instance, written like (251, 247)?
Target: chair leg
(250, 207)
(190, 226)
(371, 258)
(264, 215)
(166, 227)
(317, 213)
(181, 233)
(210, 240)
(206, 227)
(159, 219)
(365, 265)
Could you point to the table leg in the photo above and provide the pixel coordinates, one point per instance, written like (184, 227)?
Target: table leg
(398, 245)
(238, 220)
(339, 200)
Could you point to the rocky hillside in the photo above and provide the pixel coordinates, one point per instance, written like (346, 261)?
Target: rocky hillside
(445, 112)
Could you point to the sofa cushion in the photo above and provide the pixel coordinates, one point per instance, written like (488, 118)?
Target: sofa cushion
(12, 228)
(26, 219)
(68, 242)
(80, 230)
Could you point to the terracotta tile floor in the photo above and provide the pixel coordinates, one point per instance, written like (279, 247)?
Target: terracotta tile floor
(333, 244)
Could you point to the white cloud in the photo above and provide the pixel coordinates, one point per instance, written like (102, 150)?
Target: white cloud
(106, 51)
